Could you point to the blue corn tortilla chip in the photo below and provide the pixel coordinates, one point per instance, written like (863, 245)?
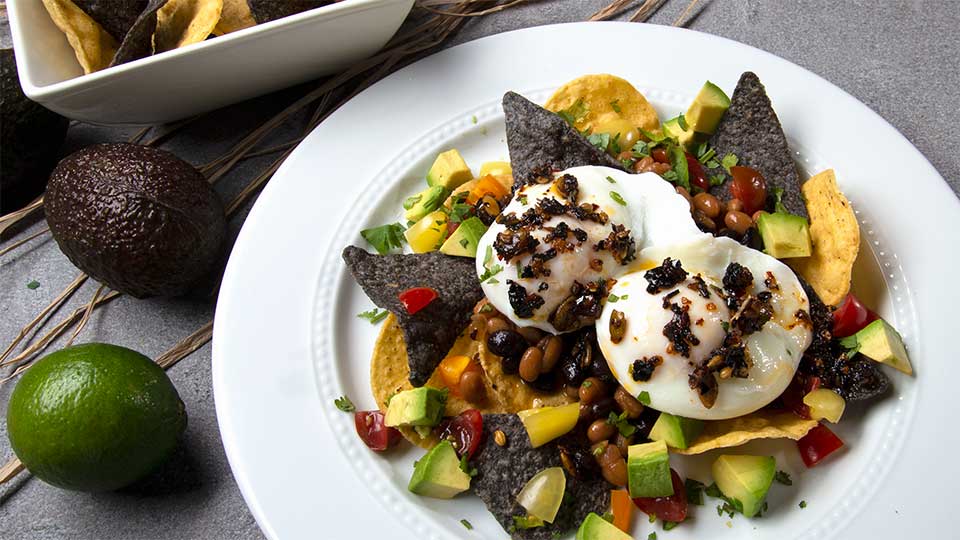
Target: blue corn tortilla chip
(540, 142)
(115, 16)
(751, 130)
(269, 10)
(138, 42)
(431, 332)
(502, 472)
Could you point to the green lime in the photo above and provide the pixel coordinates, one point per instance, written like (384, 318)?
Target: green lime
(94, 417)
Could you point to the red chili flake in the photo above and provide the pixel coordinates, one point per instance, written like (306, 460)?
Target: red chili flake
(417, 298)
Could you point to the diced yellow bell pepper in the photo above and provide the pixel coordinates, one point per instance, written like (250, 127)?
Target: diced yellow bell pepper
(427, 234)
(496, 168)
(545, 424)
(451, 368)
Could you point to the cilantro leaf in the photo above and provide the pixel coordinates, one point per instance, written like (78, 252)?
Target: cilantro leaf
(344, 404)
(466, 524)
(728, 161)
(803, 504)
(678, 161)
(717, 179)
(374, 315)
(611, 180)
(778, 206)
(617, 198)
(33, 285)
(622, 424)
(466, 467)
(694, 491)
(385, 237)
(574, 113)
(644, 397)
(600, 140)
(640, 149)
(652, 536)
(612, 298)
(783, 477)
(669, 525)
(851, 344)
(489, 271)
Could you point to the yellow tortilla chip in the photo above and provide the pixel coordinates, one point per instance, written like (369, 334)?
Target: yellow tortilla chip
(737, 431)
(235, 16)
(184, 22)
(834, 236)
(389, 374)
(92, 44)
(604, 98)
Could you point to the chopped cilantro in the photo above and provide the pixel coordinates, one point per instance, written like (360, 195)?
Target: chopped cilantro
(644, 397)
(783, 477)
(640, 149)
(600, 140)
(615, 105)
(574, 112)
(33, 285)
(522, 199)
(612, 298)
(624, 297)
(374, 315)
(473, 119)
(694, 491)
(617, 198)
(654, 137)
(669, 525)
(728, 161)
(725, 325)
(678, 161)
(587, 384)
(627, 163)
(385, 237)
(717, 179)
(466, 467)
(714, 491)
(652, 536)
(519, 270)
(652, 518)
(597, 451)
(344, 404)
(778, 206)
(622, 424)
(489, 271)
(611, 180)
(466, 524)
(803, 504)
(682, 122)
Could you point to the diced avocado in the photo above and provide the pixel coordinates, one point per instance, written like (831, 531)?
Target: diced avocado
(745, 480)
(648, 470)
(449, 170)
(784, 235)
(545, 424)
(428, 233)
(686, 137)
(463, 242)
(707, 109)
(879, 341)
(496, 168)
(825, 403)
(438, 473)
(424, 202)
(676, 431)
(595, 527)
(417, 407)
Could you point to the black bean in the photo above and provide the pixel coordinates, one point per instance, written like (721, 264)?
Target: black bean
(510, 364)
(506, 343)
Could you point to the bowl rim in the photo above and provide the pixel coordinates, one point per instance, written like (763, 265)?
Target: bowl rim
(104, 77)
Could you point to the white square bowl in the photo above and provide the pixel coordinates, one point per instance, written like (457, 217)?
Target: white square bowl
(217, 72)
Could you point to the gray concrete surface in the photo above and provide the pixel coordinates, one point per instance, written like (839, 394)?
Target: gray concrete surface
(899, 57)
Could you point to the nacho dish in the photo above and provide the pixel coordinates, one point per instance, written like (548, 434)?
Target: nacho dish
(107, 33)
(558, 330)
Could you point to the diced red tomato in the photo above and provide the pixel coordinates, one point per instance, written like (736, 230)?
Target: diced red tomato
(749, 186)
(371, 429)
(672, 508)
(463, 431)
(800, 386)
(817, 444)
(417, 298)
(622, 507)
(851, 317)
(698, 178)
(660, 155)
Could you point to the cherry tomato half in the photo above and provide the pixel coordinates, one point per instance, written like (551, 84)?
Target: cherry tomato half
(672, 508)
(851, 317)
(417, 298)
(817, 444)
(698, 178)
(749, 186)
(371, 429)
(463, 431)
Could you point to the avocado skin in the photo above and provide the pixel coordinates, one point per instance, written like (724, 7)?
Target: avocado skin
(138, 219)
(30, 140)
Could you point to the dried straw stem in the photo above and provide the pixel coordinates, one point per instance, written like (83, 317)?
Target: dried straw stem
(611, 10)
(186, 346)
(10, 469)
(25, 357)
(86, 315)
(19, 243)
(681, 20)
(646, 11)
(426, 6)
(62, 297)
(11, 219)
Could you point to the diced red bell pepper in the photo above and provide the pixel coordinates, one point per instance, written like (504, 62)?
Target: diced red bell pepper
(817, 444)
(800, 386)
(417, 298)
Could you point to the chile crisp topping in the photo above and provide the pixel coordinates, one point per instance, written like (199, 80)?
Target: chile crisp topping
(678, 330)
(568, 186)
(618, 326)
(583, 305)
(700, 286)
(664, 276)
(619, 243)
(523, 304)
(736, 280)
(642, 369)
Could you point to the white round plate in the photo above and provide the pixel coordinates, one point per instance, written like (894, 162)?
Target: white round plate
(287, 340)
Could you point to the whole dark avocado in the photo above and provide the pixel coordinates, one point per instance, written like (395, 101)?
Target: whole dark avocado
(30, 140)
(138, 219)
